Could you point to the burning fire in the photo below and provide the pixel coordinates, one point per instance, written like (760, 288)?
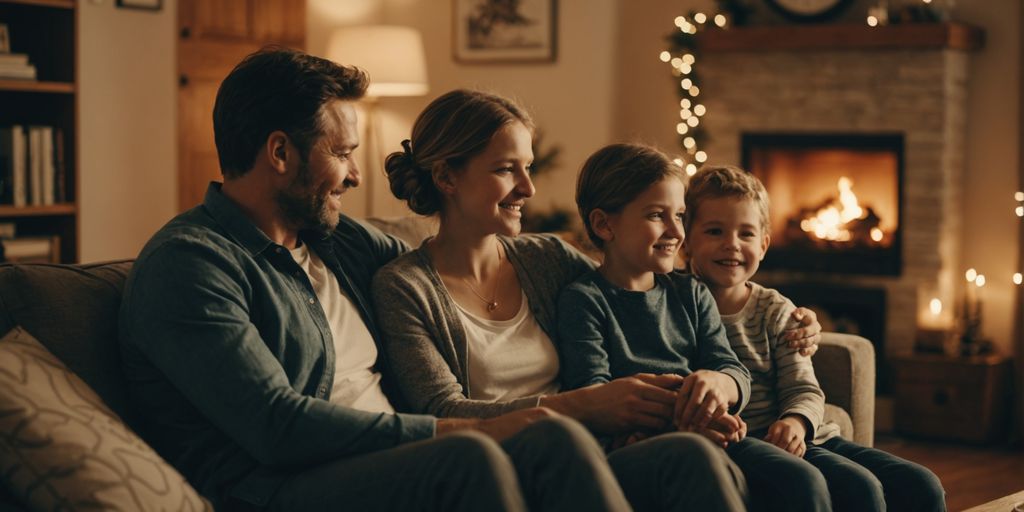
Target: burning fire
(831, 221)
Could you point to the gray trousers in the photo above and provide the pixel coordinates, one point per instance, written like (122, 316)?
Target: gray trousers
(554, 464)
(679, 471)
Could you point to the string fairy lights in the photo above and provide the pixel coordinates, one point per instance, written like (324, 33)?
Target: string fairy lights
(682, 56)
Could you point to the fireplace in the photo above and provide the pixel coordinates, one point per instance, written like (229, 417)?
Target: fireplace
(835, 200)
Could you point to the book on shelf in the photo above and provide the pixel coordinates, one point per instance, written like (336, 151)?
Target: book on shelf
(22, 71)
(13, 170)
(7, 230)
(32, 166)
(30, 249)
(13, 59)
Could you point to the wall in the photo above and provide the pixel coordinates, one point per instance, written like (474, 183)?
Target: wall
(647, 111)
(570, 99)
(126, 120)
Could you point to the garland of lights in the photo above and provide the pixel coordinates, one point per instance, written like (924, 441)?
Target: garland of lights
(682, 56)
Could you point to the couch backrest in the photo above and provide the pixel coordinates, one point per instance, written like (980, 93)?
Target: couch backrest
(72, 310)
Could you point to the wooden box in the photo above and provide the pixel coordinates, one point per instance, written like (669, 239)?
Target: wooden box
(954, 398)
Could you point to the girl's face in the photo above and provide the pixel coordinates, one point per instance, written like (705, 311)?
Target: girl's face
(647, 234)
(488, 194)
(726, 242)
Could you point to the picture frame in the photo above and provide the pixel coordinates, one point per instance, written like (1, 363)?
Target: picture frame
(5, 39)
(504, 31)
(147, 5)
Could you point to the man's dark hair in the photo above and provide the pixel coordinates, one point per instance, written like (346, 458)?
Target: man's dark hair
(277, 89)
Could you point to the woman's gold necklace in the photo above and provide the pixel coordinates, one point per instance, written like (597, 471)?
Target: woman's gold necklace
(492, 304)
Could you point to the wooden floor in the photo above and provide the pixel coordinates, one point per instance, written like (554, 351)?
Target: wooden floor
(971, 475)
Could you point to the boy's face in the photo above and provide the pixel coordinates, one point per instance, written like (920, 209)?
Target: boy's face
(648, 232)
(727, 241)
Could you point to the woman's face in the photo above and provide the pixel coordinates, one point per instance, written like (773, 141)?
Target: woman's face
(487, 195)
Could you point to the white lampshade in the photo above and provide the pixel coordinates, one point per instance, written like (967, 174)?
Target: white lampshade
(392, 55)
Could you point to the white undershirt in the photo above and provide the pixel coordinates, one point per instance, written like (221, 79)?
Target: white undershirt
(356, 384)
(509, 359)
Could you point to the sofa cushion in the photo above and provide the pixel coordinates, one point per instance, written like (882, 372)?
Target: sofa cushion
(72, 310)
(62, 448)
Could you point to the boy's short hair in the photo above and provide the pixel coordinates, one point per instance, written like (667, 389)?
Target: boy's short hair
(724, 181)
(614, 175)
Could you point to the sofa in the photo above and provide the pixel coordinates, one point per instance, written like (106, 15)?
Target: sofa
(66, 437)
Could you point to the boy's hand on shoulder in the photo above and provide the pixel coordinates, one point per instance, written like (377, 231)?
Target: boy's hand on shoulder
(788, 434)
(807, 335)
(704, 396)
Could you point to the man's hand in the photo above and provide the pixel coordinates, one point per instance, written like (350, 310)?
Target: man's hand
(499, 427)
(788, 434)
(808, 335)
(641, 402)
(704, 396)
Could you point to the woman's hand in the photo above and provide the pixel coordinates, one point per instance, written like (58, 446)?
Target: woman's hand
(704, 396)
(808, 335)
(788, 434)
(640, 402)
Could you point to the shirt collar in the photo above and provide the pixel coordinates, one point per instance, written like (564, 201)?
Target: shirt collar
(234, 220)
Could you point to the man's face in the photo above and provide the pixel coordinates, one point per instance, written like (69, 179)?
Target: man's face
(312, 200)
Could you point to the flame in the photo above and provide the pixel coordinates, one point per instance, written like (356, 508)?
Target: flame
(829, 222)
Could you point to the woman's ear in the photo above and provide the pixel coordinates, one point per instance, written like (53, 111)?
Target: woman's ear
(278, 150)
(444, 178)
(600, 224)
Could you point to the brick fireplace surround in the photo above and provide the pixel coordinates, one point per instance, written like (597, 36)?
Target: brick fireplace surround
(909, 79)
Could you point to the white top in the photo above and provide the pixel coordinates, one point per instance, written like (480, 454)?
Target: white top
(356, 384)
(509, 359)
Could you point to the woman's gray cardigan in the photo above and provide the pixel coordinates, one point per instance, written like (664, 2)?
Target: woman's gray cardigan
(424, 339)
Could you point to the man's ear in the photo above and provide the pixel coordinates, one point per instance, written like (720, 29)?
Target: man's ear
(444, 178)
(600, 224)
(278, 150)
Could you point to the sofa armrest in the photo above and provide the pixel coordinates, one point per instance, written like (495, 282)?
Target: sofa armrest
(845, 367)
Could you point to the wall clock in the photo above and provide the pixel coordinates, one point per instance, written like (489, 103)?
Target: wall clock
(808, 10)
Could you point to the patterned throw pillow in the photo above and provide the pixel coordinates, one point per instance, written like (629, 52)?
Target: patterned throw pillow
(61, 448)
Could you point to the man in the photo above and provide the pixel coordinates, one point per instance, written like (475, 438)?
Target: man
(248, 338)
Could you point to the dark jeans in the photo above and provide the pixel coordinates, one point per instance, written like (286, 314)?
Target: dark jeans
(554, 464)
(861, 478)
(777, 479)
(678, 471)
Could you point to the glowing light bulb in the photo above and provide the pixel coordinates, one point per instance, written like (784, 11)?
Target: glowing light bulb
(872, 21)
(1018, 278)
(694, 91)
(935, 306)
(686, 68)
(665, 56)
(684, 114)
(676, 62)
(700, 17)
(685, 103)
(980, 281)
(971, 275)
(691, 169)
(681, 128)
(699, 110)
(693, 122)
(678, 161)
(689, 142)
(720, 20)
(1019, 196)
(688, 58)
(680, 21)
(876, 234)
(927, 1)
(701, 156)
(686, 83)
(1020, 211)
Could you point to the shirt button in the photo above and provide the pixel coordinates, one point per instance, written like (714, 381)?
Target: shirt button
(323, 390)
(312, 301)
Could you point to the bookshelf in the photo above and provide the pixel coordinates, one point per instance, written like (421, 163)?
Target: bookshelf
(45, 31)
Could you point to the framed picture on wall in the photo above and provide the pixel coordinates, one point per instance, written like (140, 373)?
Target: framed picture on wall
(503, 31)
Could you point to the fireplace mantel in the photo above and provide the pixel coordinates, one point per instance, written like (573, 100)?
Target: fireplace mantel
(936, 36)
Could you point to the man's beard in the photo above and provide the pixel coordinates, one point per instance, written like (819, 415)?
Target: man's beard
(302, 206)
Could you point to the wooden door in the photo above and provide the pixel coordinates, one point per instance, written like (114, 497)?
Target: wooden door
(214, 35)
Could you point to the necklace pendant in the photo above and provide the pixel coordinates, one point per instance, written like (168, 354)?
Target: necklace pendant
(492, 306)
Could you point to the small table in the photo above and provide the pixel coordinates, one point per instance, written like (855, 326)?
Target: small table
(1004, 504)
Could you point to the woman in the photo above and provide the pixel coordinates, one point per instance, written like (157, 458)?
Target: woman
(468, 317)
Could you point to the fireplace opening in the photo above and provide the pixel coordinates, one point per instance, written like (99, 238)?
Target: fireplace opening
(835, 200)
